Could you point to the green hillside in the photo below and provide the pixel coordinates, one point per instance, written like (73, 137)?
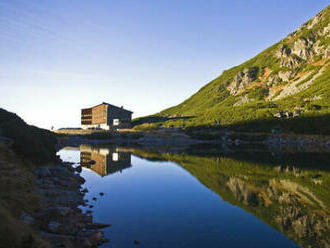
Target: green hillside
(287, 84)
(289, 192)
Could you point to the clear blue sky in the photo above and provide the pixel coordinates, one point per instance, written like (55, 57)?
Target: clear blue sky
(59, 56)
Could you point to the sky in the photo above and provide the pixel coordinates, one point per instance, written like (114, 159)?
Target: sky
(58, 56)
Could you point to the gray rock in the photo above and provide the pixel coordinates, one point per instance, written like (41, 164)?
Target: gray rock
(243, 79)
(78, 169)
(27, 219)
(286, 75)
(63, 211)
(302, 48)
(96, 238)
(53, 226)
(43, 172)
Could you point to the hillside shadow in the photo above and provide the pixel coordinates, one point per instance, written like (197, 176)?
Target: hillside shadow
(154, 119)
(317, 125)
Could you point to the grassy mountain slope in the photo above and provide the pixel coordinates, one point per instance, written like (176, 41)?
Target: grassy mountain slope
(281, 191)
(290, 79)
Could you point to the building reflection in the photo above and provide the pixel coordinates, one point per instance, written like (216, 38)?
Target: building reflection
(104, 160)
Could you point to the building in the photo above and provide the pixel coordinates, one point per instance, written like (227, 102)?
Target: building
(106, 160)
(105, 116)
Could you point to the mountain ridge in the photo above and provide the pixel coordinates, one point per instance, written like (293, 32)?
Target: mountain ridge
(290, 79)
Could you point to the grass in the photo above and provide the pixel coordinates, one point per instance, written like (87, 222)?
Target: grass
(253, 181)
(147, 127)
(213, 104)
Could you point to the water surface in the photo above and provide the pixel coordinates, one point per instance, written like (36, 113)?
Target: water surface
(189, 200)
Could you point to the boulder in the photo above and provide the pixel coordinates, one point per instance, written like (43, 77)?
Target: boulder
(96, 238)
(79, 169)
(27, 219)
(43, 172)
(53, 226)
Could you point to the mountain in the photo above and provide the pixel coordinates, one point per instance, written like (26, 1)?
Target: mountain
(288, 83)
(268, 185)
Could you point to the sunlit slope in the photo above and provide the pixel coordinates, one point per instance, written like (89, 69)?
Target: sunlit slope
(292, 76)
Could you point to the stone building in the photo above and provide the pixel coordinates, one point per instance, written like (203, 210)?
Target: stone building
(105, 116)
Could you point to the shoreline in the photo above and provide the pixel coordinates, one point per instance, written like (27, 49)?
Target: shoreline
(61, 222)
(178, 140)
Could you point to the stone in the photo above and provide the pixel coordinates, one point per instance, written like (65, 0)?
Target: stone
(96, 238)
(43, 172)
(279, 114)
(27, 219)
(302, 48)
(63, 211)
(286, 75)
(79, 169)
(243, 79)
(53, 226)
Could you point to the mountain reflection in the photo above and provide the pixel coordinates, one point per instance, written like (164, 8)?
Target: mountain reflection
(104, 160)
(290, 194)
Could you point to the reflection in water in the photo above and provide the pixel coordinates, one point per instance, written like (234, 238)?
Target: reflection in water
(106, 160)
(291, 195)
(290, 191)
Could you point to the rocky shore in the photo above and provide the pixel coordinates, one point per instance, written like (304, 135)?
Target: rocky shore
(61, 222)
(176, 139)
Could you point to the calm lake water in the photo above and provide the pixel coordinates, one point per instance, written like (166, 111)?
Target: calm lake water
(244, 199)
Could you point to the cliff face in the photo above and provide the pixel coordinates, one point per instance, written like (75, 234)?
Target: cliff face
(292, 75)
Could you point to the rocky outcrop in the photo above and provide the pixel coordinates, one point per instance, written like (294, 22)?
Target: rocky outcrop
(291, 200)
(243, 192)
(243, 79)
(302, 83)
(303, 48)
(287, 58)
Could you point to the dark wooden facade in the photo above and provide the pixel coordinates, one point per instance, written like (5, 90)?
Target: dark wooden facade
(105, 116)
(105, 160)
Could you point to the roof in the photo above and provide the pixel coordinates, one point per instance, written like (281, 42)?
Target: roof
(113, 106)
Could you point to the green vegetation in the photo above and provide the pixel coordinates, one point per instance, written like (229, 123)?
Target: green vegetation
(147, 126)
(268, 186)
(213, 105)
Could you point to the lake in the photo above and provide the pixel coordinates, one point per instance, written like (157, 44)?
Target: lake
(207, 197)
